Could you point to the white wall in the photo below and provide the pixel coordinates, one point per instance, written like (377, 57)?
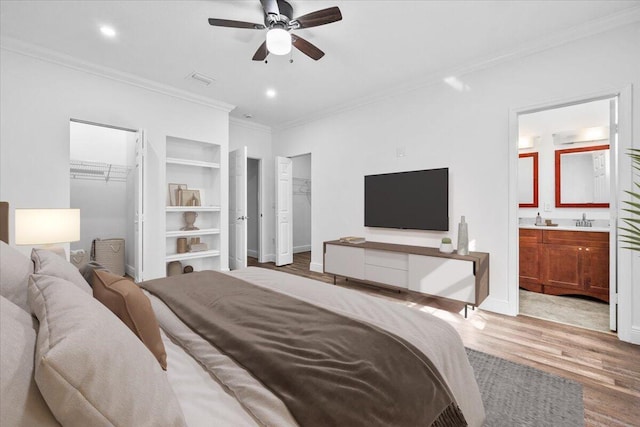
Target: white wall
(466, 130)
(257, 139)
(38, 99)
(301, 202)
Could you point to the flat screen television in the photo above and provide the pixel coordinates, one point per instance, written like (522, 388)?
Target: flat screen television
(416, 200)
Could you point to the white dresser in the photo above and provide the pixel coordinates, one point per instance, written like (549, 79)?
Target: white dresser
(463, 278)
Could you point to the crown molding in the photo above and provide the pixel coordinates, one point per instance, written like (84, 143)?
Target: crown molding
(581, 31)
(249, 125)
(54, 57)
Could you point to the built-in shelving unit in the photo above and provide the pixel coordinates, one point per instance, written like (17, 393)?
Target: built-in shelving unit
(196, 166)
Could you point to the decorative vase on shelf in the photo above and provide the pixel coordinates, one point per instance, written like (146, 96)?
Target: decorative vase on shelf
(463, 238)
(174, 268)
(445, 246)
(190, 219)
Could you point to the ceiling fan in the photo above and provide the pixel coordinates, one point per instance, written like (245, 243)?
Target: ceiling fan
(278, 19)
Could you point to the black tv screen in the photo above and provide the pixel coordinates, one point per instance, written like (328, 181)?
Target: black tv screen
(417, 200)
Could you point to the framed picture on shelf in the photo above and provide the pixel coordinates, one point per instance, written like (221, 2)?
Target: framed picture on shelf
(173, 193)
(200, 196)
(188, 197)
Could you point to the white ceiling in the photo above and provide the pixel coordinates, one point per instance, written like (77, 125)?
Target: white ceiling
(379, 47)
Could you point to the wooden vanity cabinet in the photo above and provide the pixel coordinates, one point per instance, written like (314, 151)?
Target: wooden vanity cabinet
(530, 241)
(575, 262)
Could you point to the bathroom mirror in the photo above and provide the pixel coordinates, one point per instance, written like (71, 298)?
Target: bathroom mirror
(583, 177)
(528, 180)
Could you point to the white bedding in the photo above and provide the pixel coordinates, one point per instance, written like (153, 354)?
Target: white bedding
(228, 395)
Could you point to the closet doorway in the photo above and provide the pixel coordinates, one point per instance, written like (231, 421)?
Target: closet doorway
(105, 184)
(567, 179)
(293, 207)
(301, 201)
(254, 216)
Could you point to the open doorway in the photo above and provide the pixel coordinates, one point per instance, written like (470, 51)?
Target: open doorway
(254, 217)
(104, 185)
(567, 173)
(301, 198)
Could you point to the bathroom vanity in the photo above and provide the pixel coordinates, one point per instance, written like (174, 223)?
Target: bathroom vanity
(565, 261)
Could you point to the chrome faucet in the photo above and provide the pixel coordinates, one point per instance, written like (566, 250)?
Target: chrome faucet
(584, 222)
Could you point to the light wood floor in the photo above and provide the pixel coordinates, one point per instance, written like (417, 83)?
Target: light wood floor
(608, 369)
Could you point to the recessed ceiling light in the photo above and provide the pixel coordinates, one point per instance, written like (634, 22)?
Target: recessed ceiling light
(108, 31)
(271, 93)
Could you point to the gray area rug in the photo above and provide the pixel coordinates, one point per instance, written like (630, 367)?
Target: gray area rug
(516, 395)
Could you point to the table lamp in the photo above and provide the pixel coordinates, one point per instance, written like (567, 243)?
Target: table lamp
(47, 227)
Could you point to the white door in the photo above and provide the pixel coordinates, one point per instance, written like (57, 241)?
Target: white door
(284, 224)
(613, 220)
(141, 146)
(238, 208)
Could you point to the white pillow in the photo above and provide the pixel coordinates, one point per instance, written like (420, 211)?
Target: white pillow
(21, 403)
(52, 264)
(15, 268)
(90, 368)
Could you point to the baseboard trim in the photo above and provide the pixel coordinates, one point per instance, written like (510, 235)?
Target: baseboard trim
(316, 267)
(303, 248)
(498, 306)
(252, 253)
(268, 258)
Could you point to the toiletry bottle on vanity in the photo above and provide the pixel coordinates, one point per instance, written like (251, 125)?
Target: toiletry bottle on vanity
(538, 219)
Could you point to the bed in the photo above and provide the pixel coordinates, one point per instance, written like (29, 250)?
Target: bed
(81, 365)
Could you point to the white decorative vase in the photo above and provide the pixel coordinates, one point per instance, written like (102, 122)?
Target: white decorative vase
(463, 238)
(446, 248)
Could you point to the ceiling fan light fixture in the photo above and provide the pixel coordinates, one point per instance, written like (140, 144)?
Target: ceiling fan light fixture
(278, 41)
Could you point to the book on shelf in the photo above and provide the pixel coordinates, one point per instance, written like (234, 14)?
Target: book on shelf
(352, 239)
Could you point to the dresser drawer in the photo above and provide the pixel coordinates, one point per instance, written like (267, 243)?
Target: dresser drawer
(398, 261)
(387, 276)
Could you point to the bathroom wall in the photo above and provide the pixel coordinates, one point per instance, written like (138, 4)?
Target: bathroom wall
(541, 126)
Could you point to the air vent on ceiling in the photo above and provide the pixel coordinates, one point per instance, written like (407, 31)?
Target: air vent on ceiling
(200, 78)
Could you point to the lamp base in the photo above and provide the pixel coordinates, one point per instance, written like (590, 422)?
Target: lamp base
(59, 250)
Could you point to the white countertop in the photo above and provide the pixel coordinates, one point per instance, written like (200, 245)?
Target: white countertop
(565, 228)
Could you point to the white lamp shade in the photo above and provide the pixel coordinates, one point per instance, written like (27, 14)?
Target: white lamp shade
(47, 226)
(278, 41)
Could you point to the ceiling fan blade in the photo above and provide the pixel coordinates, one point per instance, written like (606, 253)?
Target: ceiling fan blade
(319, 17)
(307, 48)
(270, 7)
(235, 24)
(261, 53)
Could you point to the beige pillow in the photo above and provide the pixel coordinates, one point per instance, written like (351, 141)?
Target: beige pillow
(21, 403)
(127, 301)
(15, 268)
(90, 369)
(52, 264)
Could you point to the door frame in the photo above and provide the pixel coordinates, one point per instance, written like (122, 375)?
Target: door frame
(624, 265)
(140, 197)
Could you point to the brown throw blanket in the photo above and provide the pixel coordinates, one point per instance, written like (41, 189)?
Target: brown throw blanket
(328, 369)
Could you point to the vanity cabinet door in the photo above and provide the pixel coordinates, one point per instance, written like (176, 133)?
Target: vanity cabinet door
(530, 260)
(561, 268)
(595, 272)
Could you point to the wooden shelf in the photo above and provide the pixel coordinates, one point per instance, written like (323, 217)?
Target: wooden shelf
(188, 162)
(185, 233)
(193, 208)
(192, 255)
